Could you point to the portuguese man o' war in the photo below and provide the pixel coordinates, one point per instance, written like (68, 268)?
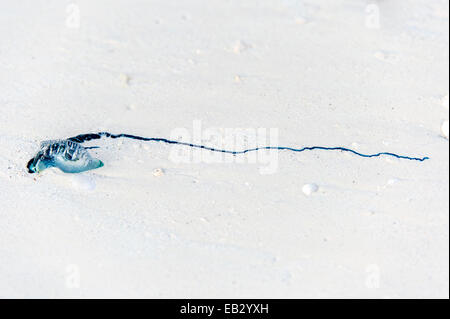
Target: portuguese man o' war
(70, 156)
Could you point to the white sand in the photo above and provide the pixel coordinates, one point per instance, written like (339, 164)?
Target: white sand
(322, 72)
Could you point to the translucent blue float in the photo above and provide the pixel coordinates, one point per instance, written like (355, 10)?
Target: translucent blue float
(68, 156)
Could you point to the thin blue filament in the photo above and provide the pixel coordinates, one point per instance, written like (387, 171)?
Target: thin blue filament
(87, 137)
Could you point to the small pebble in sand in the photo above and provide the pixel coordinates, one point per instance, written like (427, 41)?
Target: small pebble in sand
(308, 189)
(124, 79)
(444, 129)
(158, 172)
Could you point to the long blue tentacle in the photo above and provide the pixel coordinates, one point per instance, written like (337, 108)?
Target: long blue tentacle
(93, 136)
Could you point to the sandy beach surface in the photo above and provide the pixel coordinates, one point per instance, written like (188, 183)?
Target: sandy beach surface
(368, 75)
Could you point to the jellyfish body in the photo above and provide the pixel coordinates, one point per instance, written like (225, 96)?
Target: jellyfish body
(68, 156)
